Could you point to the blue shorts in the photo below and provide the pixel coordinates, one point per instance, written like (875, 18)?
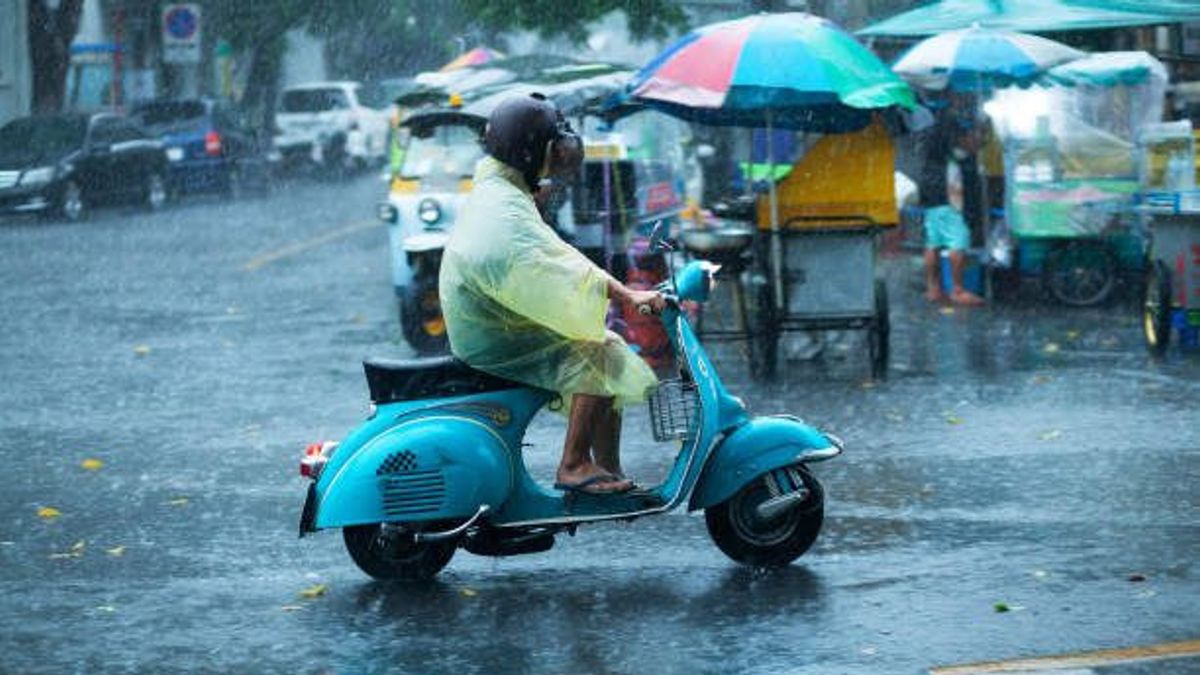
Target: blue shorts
(945, 228)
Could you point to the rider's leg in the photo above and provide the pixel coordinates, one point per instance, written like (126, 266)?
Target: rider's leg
(607, 442)
(582, 425)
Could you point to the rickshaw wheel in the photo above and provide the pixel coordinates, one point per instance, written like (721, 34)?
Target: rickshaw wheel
(1156, 309)
(1080, 273)
(421, 321)
(880, 333)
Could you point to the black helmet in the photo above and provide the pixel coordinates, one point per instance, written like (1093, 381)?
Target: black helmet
(520, 130)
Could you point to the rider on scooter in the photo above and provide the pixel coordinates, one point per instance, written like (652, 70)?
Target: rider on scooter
(522, 304)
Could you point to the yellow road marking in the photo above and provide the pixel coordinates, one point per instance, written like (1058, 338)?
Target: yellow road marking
(300, 247)
(1102, 657)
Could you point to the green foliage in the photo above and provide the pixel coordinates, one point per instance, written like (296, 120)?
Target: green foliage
(646, 18)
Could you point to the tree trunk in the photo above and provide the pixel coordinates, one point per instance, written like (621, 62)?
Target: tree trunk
(50, 36)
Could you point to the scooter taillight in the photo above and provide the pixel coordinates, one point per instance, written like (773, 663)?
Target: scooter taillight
(315, 457)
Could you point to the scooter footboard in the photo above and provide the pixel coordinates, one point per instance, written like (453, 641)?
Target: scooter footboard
(420, 471)
(757, 447)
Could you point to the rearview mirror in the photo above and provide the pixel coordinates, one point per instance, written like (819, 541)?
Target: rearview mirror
(659, 237)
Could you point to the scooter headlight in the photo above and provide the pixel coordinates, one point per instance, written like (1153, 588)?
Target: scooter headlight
(429, 211)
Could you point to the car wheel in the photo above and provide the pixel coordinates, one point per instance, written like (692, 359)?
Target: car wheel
(71, 205)
(155, 192)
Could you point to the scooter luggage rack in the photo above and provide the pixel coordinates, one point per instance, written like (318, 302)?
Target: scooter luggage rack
(674, 409)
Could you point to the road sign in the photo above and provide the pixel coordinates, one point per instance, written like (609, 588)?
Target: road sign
(181, 33)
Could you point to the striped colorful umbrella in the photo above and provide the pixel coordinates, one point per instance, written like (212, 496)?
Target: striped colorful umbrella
(980, 58)
(475, 57)
(790, 70)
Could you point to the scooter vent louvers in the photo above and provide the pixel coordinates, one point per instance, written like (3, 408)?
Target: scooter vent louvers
(414, 492)
(398, 462)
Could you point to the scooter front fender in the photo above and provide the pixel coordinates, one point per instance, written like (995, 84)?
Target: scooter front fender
(428, 468)
(757, 447)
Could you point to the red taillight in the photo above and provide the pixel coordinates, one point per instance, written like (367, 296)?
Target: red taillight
(212, 143)
(315, 457)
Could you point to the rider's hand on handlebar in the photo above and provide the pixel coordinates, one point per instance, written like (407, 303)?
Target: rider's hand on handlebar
(647, 302)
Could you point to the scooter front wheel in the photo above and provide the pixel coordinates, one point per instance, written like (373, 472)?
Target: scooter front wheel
(396, 557)
(742, 533)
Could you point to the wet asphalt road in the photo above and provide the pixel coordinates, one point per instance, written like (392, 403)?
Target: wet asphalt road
(1030, 456)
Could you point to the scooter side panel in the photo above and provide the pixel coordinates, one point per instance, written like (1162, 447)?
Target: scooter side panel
(759, 446)
(432, 467)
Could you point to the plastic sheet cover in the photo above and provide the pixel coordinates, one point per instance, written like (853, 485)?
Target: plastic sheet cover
(522, 304)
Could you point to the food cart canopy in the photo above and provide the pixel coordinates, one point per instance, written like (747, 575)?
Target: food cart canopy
(1108, 69)
(1030, 16)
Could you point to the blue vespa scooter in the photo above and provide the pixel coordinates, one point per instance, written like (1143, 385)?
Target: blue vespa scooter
(438, 465)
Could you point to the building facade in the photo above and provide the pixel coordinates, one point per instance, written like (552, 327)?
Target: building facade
(16, 76)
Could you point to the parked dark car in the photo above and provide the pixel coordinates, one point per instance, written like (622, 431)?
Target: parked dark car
(66, 164)
(209, 146)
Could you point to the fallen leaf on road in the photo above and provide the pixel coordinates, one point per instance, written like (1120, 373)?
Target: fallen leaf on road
(1000, 607)
(1137, 577)
(867, 384)
(1040, 574)
(1051, 348)
(106, 608)
(141, 350)
(947, 311)
(1072, 335)
(894, 416)
(951, 419)
(116, 551)
(178, 501)
(292, 608)
(76, 551)
(314, 591)
(91, 464)
(48, 513)
(1050, 435)
(467, 592)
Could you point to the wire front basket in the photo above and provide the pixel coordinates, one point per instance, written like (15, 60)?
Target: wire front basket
(674, 410)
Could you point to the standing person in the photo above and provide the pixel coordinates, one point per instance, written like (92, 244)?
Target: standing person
(522, 304)
(941, 194)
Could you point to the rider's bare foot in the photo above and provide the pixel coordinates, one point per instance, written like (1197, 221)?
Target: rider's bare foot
(964, 297)
(592, 479)
(935, 295)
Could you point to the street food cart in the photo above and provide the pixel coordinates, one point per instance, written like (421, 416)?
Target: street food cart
(833, 207)
(1172, 293)
(1072, 175)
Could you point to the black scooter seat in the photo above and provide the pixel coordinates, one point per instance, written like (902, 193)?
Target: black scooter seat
(393, 380)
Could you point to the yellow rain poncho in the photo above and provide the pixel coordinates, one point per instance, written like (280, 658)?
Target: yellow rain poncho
(522, 304)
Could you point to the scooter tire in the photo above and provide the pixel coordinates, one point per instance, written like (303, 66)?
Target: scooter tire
(740, 534)
(405, 562)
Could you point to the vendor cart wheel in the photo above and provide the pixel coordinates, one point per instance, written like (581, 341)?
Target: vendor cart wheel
(1156, 310)
(1080, 273)
(764, 336)
(880, 333)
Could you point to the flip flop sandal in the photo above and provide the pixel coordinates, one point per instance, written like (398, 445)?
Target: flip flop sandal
(592, 481)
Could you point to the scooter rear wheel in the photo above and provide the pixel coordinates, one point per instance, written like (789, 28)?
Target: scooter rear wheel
(741, 534)
(394, 558)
